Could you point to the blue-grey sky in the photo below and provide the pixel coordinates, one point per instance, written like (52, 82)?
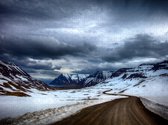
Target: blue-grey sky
(46, 37)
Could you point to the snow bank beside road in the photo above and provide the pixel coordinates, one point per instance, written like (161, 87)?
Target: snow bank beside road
(156, 108)
(51, 115)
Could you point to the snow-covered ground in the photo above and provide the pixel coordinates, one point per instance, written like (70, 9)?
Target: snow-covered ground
(12, 106)
(153, 88)
(50, 106)
(156, 108)
(52, 115)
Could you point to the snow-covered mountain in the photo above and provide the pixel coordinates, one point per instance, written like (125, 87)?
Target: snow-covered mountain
(69, 80)
(97, 77)
(80, 80)
(15, 81)
(141, 72)
(144, 80)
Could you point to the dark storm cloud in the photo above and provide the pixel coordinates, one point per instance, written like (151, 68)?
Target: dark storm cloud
(58, 9)
(42, 49)
(31, 9)
(93, 69)
(43, 72)
(126, 4)
(140, 46)
(128, 11)
(78, 28)
(41, 9)
(33, 67)
(25, 63)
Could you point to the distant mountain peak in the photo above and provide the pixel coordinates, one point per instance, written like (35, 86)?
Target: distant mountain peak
(68, 80)
(142, 71)
(80, 80)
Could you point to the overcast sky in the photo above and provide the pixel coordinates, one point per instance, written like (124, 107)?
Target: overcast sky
(46, 37)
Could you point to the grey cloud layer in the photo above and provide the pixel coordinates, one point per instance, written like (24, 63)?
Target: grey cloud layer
(139, 46)
(42, 49)
(81, 30)
(120, 12)
(59, 8)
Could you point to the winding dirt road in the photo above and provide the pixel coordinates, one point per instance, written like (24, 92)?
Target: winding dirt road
(126, 111)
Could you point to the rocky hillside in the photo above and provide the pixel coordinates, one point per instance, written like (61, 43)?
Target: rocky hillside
(80, 80)
(15, 81)
(69, 80)
(143, 71)
(97, 77)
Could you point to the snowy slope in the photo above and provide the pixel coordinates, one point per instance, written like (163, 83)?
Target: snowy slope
(97, 77)
(43, 100)
(78, 77)
(147, 80)
(15, 81)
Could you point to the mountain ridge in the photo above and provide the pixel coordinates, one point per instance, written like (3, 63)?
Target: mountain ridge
(140, 72)
(15, 81)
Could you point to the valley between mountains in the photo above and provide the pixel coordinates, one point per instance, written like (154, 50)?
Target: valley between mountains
(126, 96)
